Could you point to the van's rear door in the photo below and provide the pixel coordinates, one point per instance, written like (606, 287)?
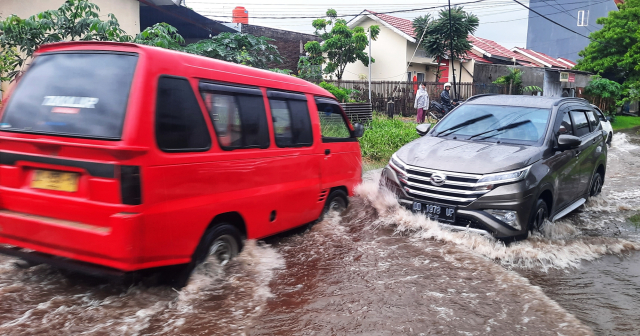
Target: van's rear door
(75, 102)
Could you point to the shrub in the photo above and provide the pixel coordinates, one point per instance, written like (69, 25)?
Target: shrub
(384, 136)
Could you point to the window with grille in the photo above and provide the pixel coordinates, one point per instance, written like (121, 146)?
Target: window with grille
(583, 18)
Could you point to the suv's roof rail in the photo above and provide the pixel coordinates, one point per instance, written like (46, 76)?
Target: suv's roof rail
(570, 98)
(481, 95)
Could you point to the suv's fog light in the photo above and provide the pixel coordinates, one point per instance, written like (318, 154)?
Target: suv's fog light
(507, 216)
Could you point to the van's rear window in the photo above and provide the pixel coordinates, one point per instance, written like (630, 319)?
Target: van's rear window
(72, 94)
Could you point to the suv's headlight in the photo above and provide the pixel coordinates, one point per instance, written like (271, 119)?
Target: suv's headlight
(505, 177)
(398, 166)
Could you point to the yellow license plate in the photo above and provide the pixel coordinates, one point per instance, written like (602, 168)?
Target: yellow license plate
(55, 180)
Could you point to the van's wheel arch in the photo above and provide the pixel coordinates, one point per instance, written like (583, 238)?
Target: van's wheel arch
(222, 241)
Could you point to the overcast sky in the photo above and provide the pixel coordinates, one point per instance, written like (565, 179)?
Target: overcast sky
(503, 21)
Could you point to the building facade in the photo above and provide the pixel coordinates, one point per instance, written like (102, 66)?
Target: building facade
(546, 37)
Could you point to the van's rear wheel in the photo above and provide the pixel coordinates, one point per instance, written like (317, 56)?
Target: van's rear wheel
(539, 215)
(221, 243)
(337, 201)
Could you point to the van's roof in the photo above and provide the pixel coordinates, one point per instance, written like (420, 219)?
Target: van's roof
(521, 100)
(261, 77)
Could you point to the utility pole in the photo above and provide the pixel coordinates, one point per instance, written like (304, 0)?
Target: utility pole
(455, 94)
(370, 102)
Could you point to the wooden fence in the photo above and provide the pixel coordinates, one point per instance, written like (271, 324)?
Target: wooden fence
(403, 93)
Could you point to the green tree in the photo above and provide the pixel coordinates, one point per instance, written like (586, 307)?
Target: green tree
(310, 66)
(74, 20)
(442, 39)
(247, 49)
(341, 45)
(605, 93)
(161, 35)
(614, 52)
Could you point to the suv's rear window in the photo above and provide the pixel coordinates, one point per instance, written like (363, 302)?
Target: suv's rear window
(72, 94)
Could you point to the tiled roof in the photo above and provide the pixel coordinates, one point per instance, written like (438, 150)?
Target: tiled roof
(403, 25)
(543, 57)
(494, 48)
(477, 58)
(568, 61)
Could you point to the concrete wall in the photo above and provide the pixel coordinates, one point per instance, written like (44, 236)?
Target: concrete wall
(389, 52)
(290, 44)
(555, 41)
(126, 11)
(487, 73)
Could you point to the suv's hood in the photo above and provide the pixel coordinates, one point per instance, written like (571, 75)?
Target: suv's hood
(467, 156)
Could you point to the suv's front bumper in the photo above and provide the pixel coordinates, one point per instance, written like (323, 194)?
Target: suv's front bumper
(515, 197)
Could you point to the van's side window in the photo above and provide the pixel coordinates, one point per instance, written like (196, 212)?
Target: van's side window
(180, 125)
(332, 123)
(291, 122)
(580, 123)
(238, 115)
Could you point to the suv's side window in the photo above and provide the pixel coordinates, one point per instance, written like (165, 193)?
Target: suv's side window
(238, 115)
(580, 123)
(290, 117)
(593, 120)
(566, 127)
(332, 124)
(180, 125)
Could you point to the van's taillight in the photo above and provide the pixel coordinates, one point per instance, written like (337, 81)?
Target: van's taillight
(130, 186)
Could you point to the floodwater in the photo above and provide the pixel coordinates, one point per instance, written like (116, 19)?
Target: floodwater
(377, 270)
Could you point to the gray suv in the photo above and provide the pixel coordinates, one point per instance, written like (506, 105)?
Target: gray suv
(502, 165)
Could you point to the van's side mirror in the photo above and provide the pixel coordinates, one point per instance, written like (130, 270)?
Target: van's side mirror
(566, 141)
(358, 130)
(423, 129)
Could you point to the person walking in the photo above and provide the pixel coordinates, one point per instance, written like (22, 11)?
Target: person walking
(422, 103)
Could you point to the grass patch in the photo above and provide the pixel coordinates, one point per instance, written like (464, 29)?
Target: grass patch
(622, 122)
(635, 220)
(383, 137)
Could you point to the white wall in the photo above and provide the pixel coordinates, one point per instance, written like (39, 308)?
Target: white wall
(126, 11)
(389, 52)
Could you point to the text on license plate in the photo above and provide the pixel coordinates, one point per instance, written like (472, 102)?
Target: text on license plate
(55, 180)
(436, 211)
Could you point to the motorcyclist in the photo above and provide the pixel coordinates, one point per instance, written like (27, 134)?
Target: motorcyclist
(445, 99)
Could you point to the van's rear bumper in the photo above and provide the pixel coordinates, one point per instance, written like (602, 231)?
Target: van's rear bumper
(114, 246)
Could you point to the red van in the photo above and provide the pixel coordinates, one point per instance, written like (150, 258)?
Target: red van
(120, 157)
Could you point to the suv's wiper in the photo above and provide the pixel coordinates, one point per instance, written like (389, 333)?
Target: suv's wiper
(503, 128)
(466, 123)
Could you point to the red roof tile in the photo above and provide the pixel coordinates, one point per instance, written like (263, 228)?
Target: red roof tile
(477, 58)
(404, 25)
(543, 57)
(494, 48)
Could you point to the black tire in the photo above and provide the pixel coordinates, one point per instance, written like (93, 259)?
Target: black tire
(337, 201)
(610, 138)
(222, 241)
(539, 215)
(596, 185)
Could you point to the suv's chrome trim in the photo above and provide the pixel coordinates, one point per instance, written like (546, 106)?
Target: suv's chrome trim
(448, 190)
(432, 171)
(448, 198)
(455, 183)
(568, 209)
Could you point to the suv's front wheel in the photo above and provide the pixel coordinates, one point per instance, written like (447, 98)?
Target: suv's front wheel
(539, 215)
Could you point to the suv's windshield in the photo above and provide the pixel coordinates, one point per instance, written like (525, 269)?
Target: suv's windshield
(495, 123)
(72, 94)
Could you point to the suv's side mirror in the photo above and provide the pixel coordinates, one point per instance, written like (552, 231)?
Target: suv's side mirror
(608, 118)
(358, 130)
(423, 129)
(566, 141)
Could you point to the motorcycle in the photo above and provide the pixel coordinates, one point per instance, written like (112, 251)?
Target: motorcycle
(437, 111)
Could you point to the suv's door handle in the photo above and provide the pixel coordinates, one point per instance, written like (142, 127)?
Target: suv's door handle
(327, 151)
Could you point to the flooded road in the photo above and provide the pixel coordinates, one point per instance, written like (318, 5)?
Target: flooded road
(378, 270)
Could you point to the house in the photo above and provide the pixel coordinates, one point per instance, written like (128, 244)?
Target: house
(543, 60)
(397, 56)
(580, 16)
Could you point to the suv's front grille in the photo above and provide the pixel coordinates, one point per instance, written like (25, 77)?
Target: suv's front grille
(457, 189)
